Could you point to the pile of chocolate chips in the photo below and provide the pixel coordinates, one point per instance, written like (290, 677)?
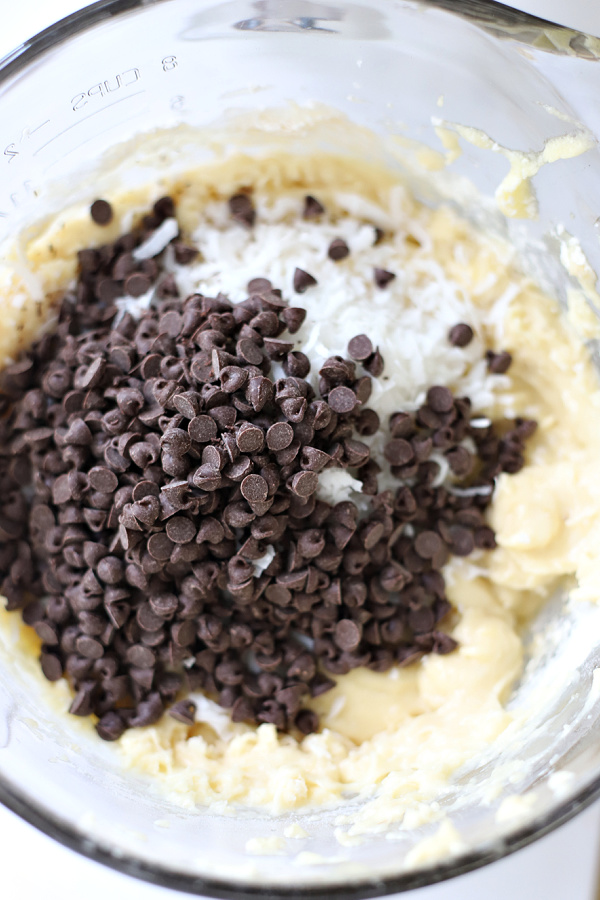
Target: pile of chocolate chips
(161, 530)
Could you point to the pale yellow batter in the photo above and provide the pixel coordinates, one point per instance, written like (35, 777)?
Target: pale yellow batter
(395, 738)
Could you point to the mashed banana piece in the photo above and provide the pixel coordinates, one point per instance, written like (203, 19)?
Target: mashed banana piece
(395, 738)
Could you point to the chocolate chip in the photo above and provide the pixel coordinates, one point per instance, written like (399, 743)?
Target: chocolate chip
(293, 317)
(184, 711)
(342, 400)
(460, 460)
(184, 254)
(338, 249)
(460, 335)
(279, 436)
(101, 212)
(276, 349)
(440, 399)
(428, 544)
(202, 429)
(254, 488)
(180, 530)
(242, 210)
(360, 347)
(103, 479)
(259, 392)
(303, 280)
(382, 277)
(259, 285)
(51, 666)
(498, 363)
(249, 438)
(137, 284)
(110, 569)
(347, 634)
(82, 702)
(484, 538)
(461, 540)
(160, 546)
(110, 726)
(164, 208)
(375, 364)
(141, 657)
(398, 452)
(312, 208)
(304, 483)
(233, 378)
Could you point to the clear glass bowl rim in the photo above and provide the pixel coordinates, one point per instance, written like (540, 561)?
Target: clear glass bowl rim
(154, 873)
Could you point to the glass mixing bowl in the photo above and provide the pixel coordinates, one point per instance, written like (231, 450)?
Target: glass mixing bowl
(124, 67)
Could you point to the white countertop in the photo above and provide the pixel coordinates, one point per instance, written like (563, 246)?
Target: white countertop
(561, 865)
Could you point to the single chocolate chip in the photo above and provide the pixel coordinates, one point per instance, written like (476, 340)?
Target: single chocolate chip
(163, 605)
(249, 351)
(498, 363)
(82, 702)
(360, 347)
(428, 544)
(180, 530)
(140, 656)
(249, 438)
(440, 399)
(137, 284)
(460, 335)
(374, 364)
(233, 378)
(110, 726)
(293, 317)
(188, 403)
(184, 633)
(312, 208)
(484, 538)
(110, 569)
(184, 254)
(338, 249)
(89, 647)
(367, 422)
(164, 208)
(103, 479)
(303, 280)
(304, 483)
(78, 434)
(347, 634)
(242, 210)
(460, 460)
(202, 429)
(51, 666)
(342, 400)
(382, 277)
(254, 488)
(461, 540)
(259, 285)
(279, 436)
(398, 452)
(184, 711)
(160, 546)
(259, 392)
(101, 212)
(277, 349)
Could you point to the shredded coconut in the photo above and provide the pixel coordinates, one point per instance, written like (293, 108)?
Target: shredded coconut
(157, 241)
(409, 320)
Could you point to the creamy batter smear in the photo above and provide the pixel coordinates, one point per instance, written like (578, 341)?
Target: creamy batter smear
(392, 739)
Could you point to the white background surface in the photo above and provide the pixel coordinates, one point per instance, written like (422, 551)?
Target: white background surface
(562, 866)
